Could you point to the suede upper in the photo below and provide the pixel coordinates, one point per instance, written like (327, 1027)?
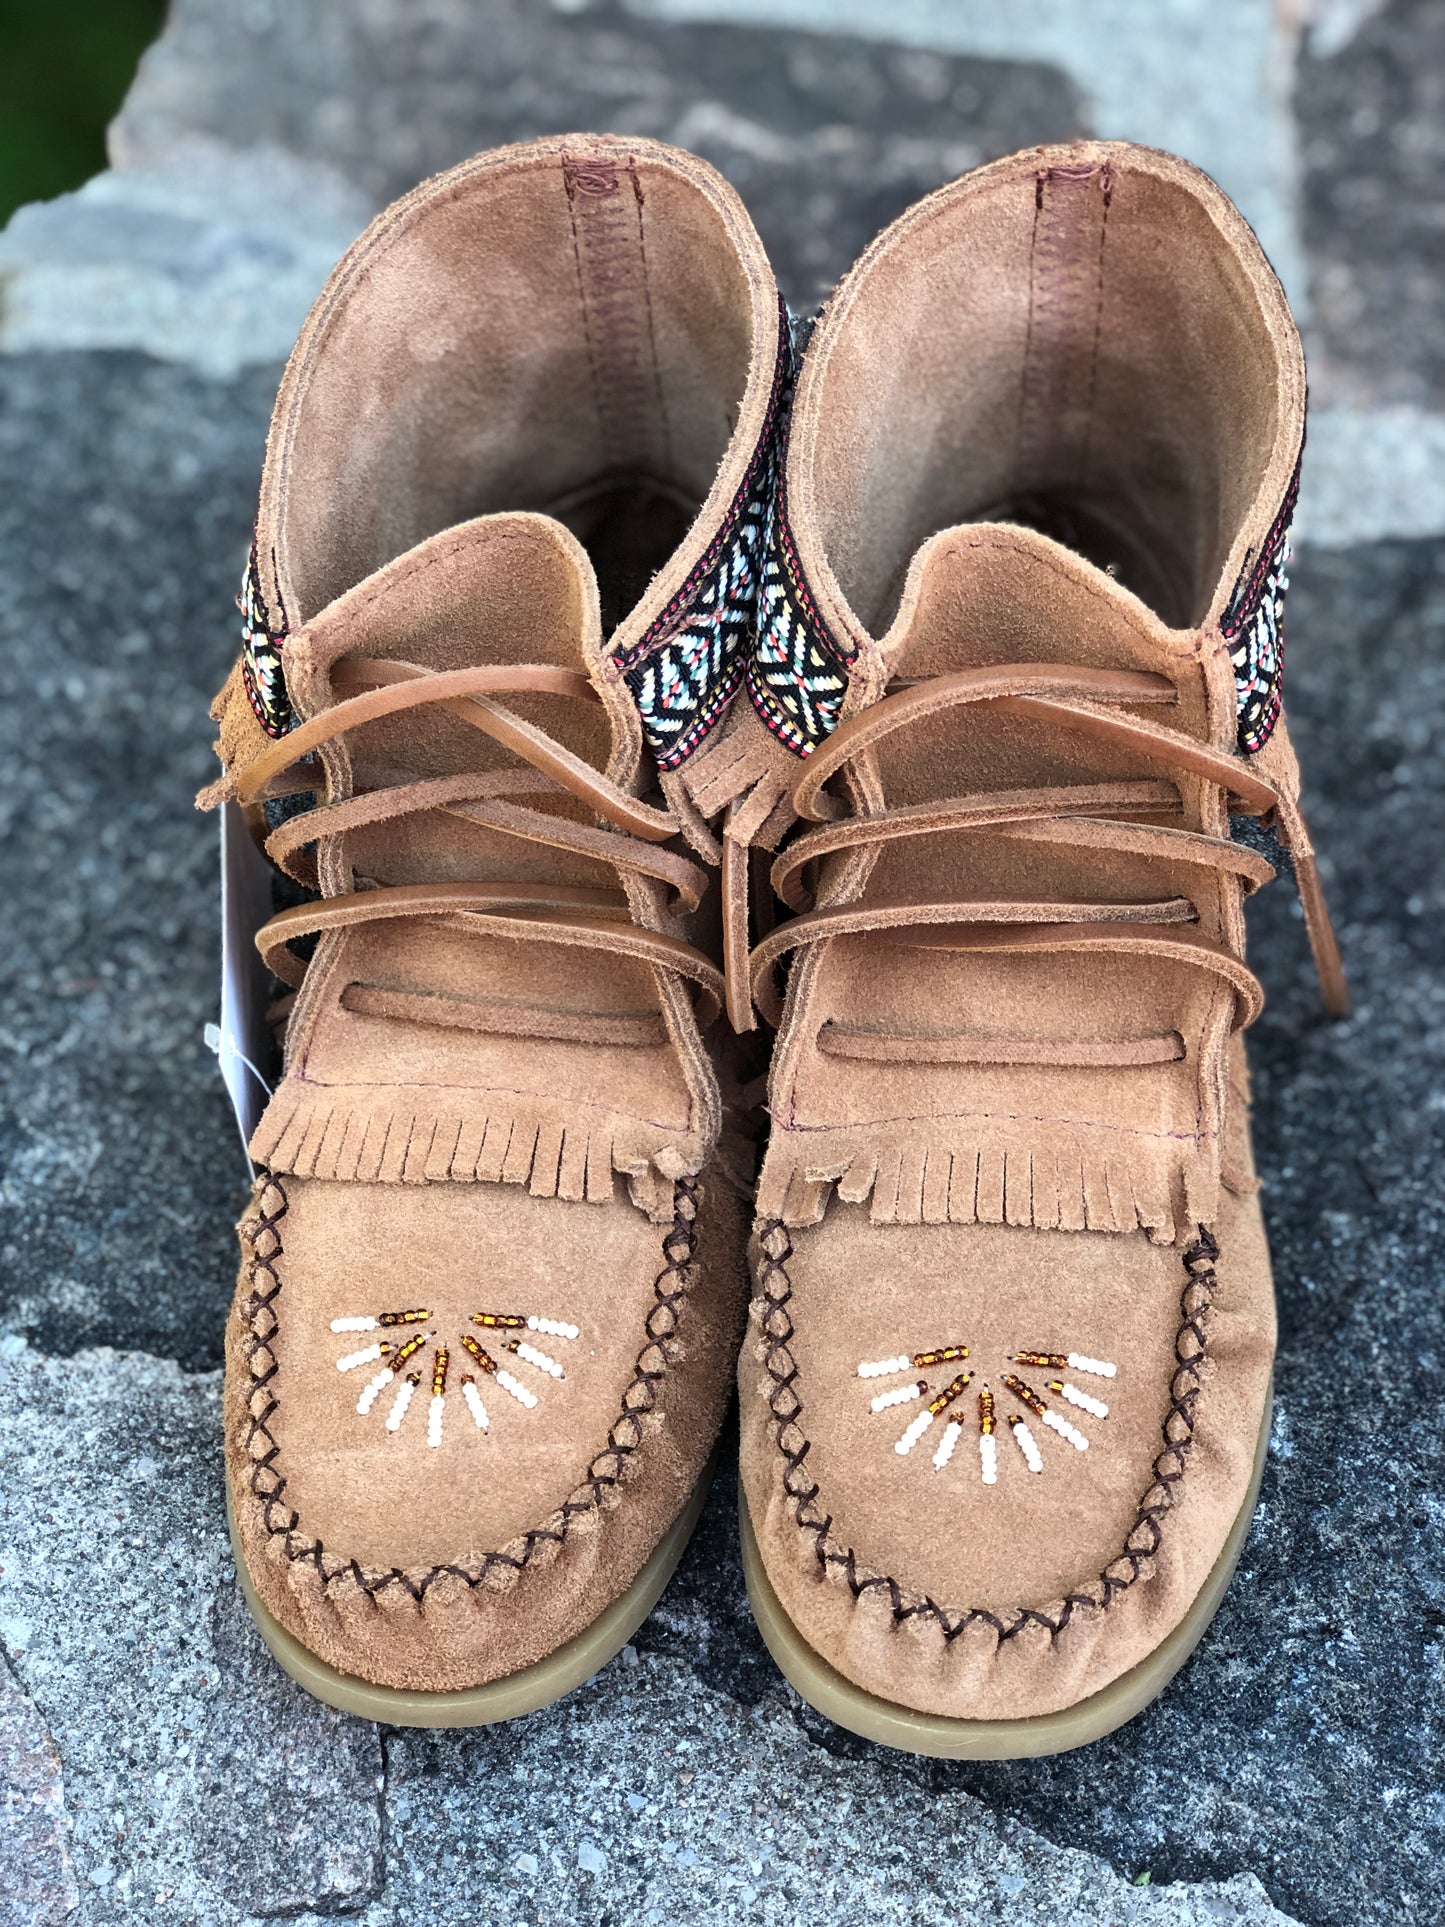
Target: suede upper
(1040, 444)
(491, 1280)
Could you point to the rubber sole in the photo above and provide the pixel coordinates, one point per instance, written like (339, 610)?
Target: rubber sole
(878, 1719)
(534, 1686)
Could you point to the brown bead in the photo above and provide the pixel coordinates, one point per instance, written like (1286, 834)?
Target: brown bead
(408, 1350)
(1025, 1392)
(483, 1358)
(945, 1356)
(951, 1392)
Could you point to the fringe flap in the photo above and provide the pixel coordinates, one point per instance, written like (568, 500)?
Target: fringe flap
(744, 760)
(980, 1172)
(361, 1135)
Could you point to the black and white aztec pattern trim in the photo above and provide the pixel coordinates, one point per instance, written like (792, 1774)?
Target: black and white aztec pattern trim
(685, 670)
(1253, 627)
(261, 669)
(798, 672)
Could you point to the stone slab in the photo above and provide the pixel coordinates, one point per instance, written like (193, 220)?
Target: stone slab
(1371, 113)
(1300, 1745)
(827, 136)
(202, 1786)
(164, 1770)
(37, 1886)
(208, 1790)
(125, 516)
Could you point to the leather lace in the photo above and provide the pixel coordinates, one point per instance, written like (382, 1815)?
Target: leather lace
(1098, 815)
(553, 913)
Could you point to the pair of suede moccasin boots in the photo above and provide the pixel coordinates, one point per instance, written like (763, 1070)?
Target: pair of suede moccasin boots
(568, 590)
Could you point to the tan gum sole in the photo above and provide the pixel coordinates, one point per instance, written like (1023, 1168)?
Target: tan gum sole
(1023, 1739)
(535, 1686)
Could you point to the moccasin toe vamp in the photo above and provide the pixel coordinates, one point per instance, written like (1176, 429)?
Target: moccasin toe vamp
(460, 1417)
(989, 1467)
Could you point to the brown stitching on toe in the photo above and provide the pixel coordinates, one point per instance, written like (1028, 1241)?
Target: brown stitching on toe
(1143, 1539)
(605, 1473)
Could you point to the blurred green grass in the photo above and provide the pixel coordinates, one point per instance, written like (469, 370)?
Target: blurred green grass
(64, 69)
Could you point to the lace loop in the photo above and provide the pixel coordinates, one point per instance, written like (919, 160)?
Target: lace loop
(1074, 698)
(542, 912)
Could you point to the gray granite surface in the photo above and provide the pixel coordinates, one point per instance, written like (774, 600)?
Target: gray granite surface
(827, 137)
(1372, 148)
(153, 1764)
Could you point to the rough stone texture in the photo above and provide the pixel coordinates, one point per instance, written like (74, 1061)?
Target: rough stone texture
(208, 257)
(206, 1788)
(827, 136)
(36, 1885)
(203, 1785)
(1298, 1755)
(124, 520)
(1372, 147)
(1372, 475)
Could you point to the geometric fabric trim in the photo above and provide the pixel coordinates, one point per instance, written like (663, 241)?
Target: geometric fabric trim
(798, 673)
(685, 670)
(1253, 627)
(261, 641)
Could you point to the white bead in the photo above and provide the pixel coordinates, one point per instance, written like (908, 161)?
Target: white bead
(374, 1386)
(517, 1389)
(540, 1360)
(399, 1404)
(1084, 1400)
(1096, 1367)
(475, 1405)
(1066, 1431)
(881, 1367)
(353, 1359)
(551, 1328)
(988, 1454)
(1028, 1445)
(946, 1444)
(353, 1324)
(434, 1420)
(900, 1397)
(914, 1433)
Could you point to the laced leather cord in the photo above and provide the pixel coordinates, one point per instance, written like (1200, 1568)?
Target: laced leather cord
(566, 914)
(1087, 815)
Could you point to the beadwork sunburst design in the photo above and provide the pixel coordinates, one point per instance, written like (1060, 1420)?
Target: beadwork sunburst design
(403, 1360)
(949, 1400)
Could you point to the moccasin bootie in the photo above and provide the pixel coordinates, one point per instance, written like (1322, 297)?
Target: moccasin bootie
(504, 579)
(1006, 1399)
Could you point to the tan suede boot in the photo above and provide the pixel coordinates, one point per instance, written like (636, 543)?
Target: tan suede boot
(493, 1275)
(1005, 1409)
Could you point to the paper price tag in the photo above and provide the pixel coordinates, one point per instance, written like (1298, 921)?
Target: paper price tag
(241, 1040)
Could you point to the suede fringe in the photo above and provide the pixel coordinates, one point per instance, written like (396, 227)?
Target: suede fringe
(1100, 1181)
(334, 1132)
(746, 767)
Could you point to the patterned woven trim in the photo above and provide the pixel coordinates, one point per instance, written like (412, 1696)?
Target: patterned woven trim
(798, 673)
(685, 670)
(1143, 1540)
(261, 667)
(1253, 626)
(604, 1474)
